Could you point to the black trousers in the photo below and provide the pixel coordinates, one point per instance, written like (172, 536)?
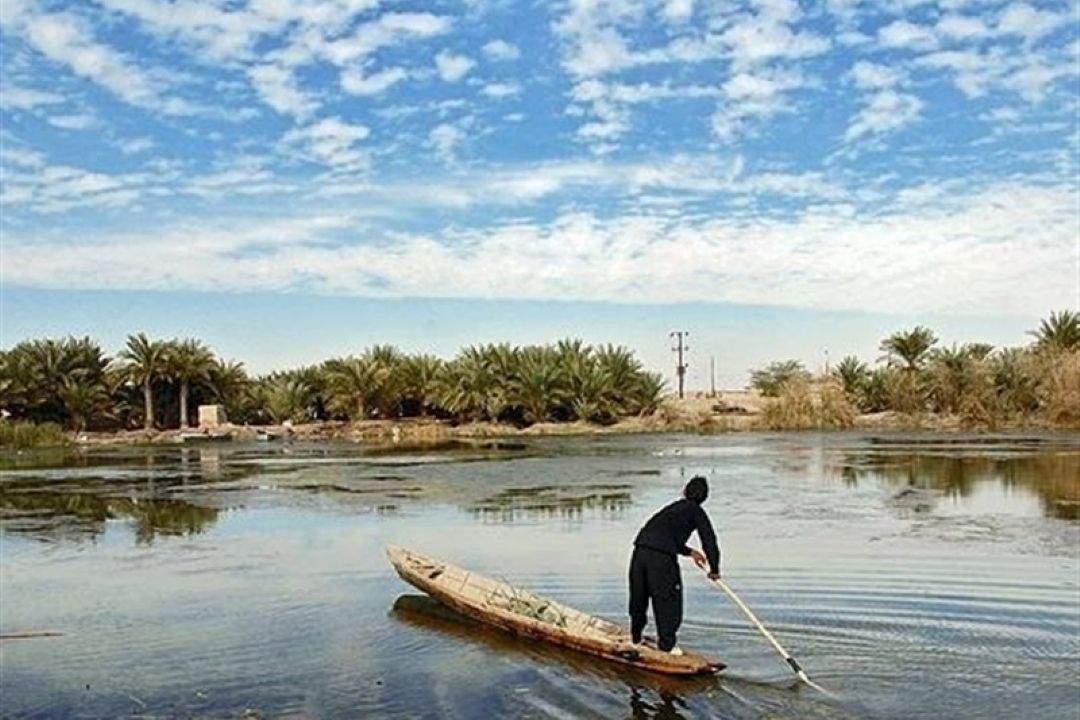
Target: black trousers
(654, 576)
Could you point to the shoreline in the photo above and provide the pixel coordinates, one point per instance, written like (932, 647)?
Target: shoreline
(728, 411)
(430, 431)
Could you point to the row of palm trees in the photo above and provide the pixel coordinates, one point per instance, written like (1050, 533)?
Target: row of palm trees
(155, 383)
(915, 374)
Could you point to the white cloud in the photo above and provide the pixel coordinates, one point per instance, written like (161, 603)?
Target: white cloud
(445, 139)
(20, 157)
(134, 146)
(388, 30)
(277, 87)
(905, 35)
(47, 189)
(962, 27)
(758, 39)
(891, 260)
(355, 83)
(63, 38)
(452, 68)
(677, 11)
(885, 108)
(80, 121)
(501, 51)
(18, 98)
(753, 97)
(885, 111)
(500, 90)
(331, 142)
(872, 76)
(974, 72)
(1020, 18)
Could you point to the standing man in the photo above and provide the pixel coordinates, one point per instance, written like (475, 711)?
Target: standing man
(654, 566)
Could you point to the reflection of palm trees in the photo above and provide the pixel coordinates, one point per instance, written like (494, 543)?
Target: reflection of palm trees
(53, 515)
(1051, 475)
(548, 501)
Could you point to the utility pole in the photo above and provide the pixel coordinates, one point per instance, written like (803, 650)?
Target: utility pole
(826, 361)
(681, 348)
(712, 374)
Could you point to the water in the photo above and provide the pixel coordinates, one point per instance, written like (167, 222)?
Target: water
(912, 576)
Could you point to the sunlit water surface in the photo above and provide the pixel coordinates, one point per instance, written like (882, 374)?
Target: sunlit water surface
(912, 576)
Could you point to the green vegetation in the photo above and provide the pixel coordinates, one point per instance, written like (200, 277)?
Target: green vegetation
(771, 379)
(23, 434)
(153, 383)
(50, 385)
(976, 383)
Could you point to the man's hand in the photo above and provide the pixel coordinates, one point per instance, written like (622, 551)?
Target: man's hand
(698, 558)
(714, 576)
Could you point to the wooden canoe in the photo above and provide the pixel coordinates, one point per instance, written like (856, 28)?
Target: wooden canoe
(516, 611)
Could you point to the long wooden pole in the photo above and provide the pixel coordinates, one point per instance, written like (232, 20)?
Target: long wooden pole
(768, 635)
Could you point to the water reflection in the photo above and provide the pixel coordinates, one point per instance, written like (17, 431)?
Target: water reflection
(665, 707)
(72, 494)
(1054, 477)
(540, 501)
(72, 515)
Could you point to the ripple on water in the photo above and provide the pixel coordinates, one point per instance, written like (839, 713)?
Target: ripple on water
(279, 601)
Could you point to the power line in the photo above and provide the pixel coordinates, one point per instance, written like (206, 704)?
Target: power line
(681, 348)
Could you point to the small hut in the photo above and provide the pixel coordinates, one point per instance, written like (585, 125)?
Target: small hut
(211, 417)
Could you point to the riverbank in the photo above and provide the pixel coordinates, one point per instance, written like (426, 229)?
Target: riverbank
(728, 411)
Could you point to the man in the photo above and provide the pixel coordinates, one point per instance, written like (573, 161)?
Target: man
(654, 567)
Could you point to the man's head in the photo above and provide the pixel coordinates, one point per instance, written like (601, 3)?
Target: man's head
(697, 489)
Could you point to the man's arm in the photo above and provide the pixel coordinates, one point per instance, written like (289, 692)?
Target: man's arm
(708, 541)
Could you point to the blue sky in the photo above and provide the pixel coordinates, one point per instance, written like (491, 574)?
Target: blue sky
(780, 176)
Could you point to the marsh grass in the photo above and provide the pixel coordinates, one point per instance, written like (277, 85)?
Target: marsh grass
(806, 405)
(1060, 390)
(20, 435)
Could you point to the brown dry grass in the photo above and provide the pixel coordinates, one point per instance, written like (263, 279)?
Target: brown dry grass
(803, 405)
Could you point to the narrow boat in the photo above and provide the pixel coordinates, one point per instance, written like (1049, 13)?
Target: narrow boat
(520, 612)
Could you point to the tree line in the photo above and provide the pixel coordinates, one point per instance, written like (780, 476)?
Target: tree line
(976, 381)
(157, 383)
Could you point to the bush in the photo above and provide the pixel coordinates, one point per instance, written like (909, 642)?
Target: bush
(20, 434)
(1059, 389)
(801, 405)
(770, 380)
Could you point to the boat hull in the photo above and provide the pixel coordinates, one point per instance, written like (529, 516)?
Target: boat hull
(500, 605)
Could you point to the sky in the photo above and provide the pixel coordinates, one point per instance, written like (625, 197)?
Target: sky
(293, 179)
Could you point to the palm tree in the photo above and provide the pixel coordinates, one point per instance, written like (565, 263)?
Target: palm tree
(85, 399)
(770, 380)
(229, 383)
(875, 391)
(978, 350)
(909, 346)
(1061, 331)
(419, 381)
(188, 360)
(466, 386)
(535, 385)
(284, 395)
(852, 374)
(622, 370)
(385, 396)
(645, 394)
(353, 383)
(1014, 382)
(145, 360)
(949, 376)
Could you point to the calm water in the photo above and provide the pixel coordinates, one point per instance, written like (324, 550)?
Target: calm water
(913, 576)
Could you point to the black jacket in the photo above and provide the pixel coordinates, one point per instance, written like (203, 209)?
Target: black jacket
(670, 528)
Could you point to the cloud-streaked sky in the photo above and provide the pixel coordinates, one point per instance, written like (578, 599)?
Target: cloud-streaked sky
(910, 158)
